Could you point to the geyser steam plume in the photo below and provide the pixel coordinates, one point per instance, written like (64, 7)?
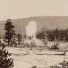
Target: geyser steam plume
(31, 28)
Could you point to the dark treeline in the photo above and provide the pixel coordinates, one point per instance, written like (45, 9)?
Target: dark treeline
(54, 35)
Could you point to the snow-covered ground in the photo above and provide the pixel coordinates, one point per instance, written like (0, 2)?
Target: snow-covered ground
(25, 58)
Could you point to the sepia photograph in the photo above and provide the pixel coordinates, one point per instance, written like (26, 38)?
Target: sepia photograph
(33, 34)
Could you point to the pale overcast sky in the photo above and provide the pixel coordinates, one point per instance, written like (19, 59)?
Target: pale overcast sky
(27, 8)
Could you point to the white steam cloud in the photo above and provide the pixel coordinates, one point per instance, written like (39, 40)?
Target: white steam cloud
(31, 28)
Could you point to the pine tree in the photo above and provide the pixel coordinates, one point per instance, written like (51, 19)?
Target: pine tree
(19, 39)
(9, 30)
(5, 62)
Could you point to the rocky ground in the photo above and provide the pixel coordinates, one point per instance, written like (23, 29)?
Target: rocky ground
(26, 58)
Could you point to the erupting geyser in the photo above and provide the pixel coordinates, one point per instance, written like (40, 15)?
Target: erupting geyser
(31, 29)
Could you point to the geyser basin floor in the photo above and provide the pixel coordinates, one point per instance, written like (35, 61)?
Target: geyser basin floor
(29, 60)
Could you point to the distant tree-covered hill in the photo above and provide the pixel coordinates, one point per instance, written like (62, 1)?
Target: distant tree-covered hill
(48, 22)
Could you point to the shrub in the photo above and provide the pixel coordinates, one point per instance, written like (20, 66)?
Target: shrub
(55, 66)
(34, 67)
(64, 64)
